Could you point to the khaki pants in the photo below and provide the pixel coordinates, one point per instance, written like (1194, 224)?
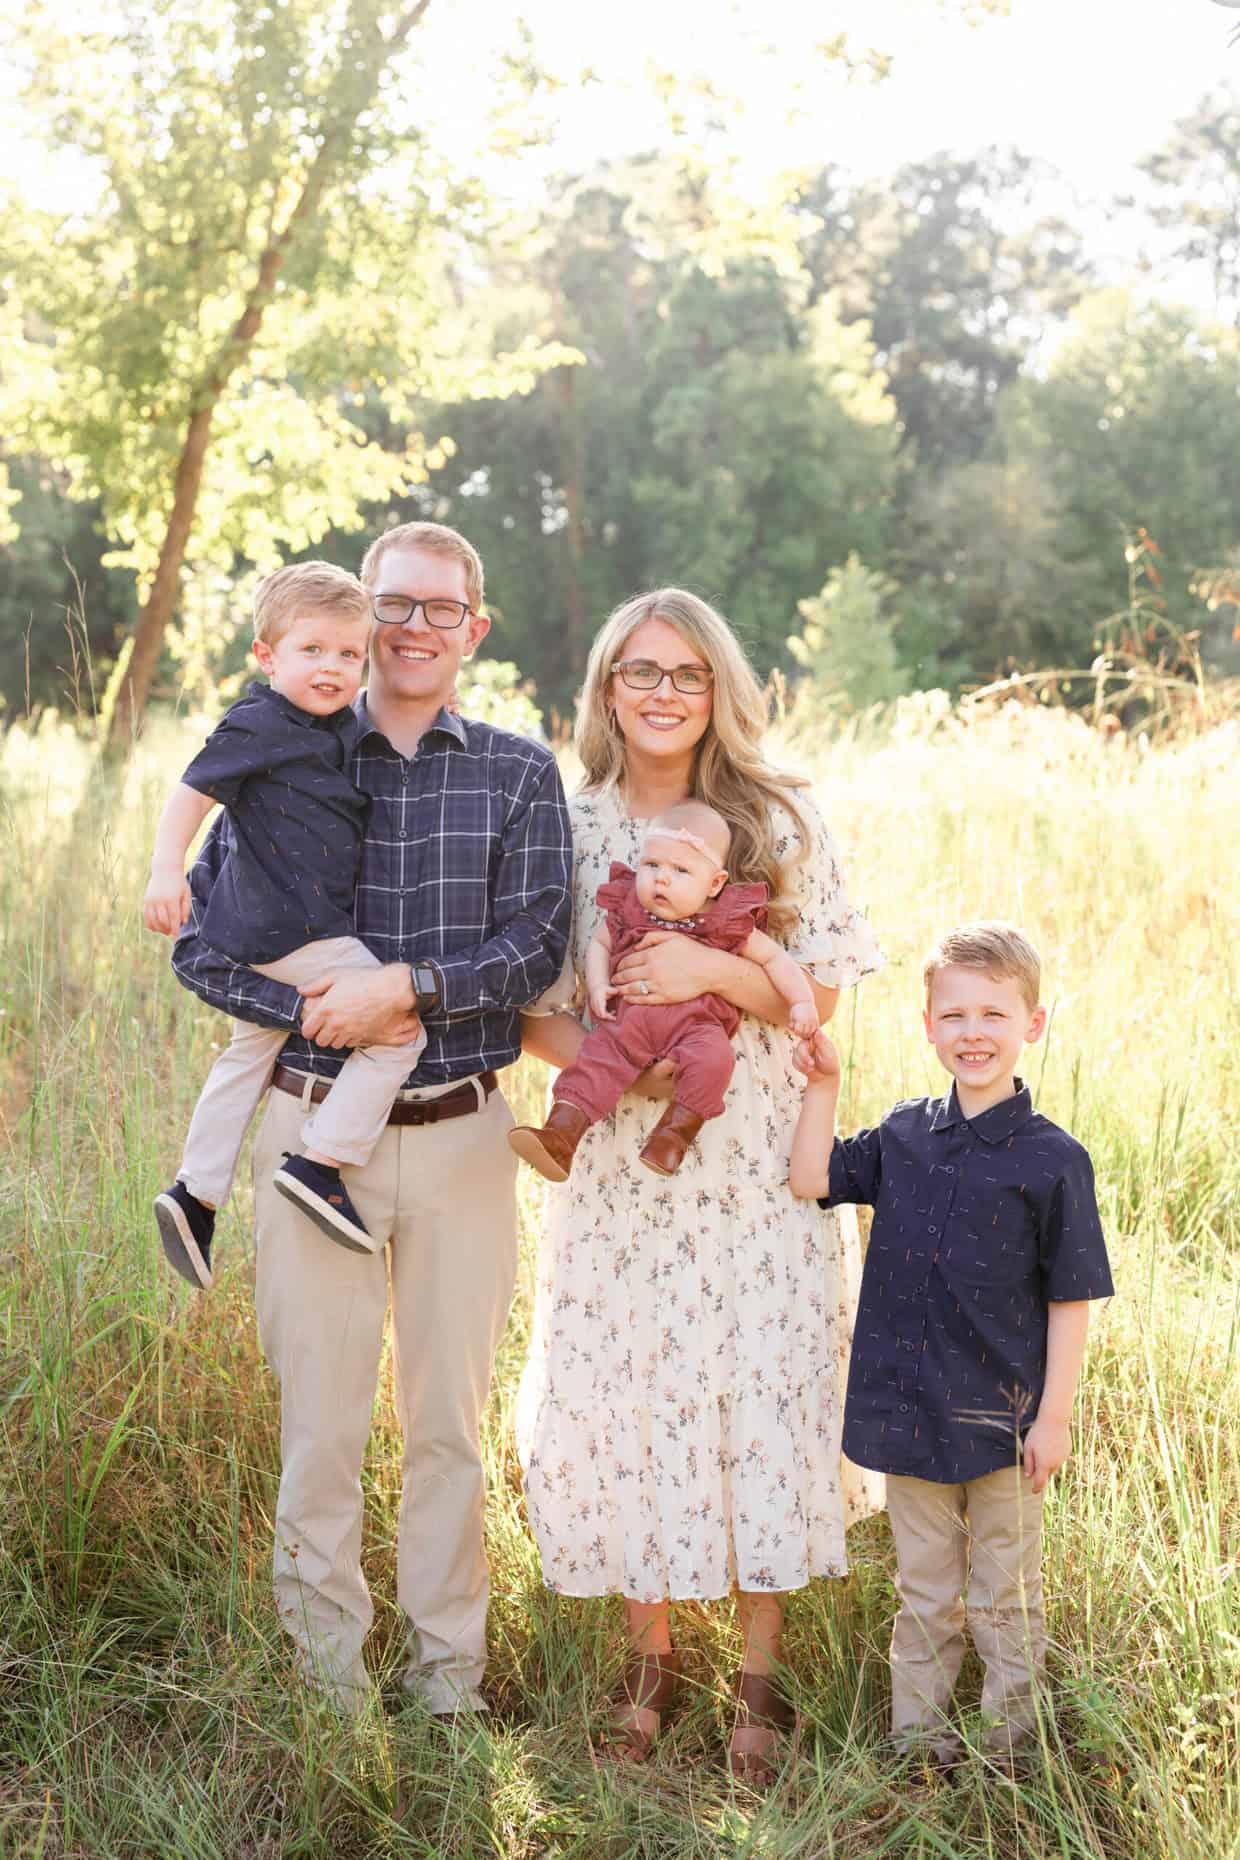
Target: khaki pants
(442, 1198)
(966, 1552)
(345, 1126)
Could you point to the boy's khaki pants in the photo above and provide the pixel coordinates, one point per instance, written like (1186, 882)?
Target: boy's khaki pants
(970, 1552)
(344, 1126)
(442, 1197)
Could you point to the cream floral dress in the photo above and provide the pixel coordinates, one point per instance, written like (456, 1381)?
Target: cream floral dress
(680, 1413)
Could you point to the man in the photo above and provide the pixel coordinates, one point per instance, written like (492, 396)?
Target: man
(463, 895)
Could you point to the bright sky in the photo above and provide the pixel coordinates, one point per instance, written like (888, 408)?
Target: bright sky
(1089, 85)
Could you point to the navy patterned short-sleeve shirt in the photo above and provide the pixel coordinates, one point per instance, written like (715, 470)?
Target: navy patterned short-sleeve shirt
(297, 823)
(979, 1224)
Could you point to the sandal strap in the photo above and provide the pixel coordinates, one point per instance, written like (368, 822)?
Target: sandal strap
(759, 1702)
(651, 1681)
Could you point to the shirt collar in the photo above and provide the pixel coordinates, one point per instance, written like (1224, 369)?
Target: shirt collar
(449, 722)
(337, 720)
(995, 1125)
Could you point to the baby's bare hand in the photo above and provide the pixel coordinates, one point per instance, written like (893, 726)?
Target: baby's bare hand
(803, 1020)
(599, 997)
(817, 1059)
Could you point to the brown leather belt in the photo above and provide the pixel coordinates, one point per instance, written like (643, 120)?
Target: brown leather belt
(457, 1103)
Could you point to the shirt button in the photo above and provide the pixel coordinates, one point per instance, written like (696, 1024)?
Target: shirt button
(932, 1230)
(404, 836)
(910, 1347)
(903, 1407)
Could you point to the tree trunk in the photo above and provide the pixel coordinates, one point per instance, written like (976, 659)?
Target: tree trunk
(125, 722)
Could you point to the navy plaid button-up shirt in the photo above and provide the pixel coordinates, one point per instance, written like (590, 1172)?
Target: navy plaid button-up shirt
(979, 1224)
(466, 862)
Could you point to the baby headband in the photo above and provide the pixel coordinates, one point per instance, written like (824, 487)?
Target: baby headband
(681, 833)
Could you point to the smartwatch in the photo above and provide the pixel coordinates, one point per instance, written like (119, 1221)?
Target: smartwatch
(426, 988)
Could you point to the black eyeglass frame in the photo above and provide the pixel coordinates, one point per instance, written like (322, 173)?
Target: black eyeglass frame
(434, 600)
(624, 666)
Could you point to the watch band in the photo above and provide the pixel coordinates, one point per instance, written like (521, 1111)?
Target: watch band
(427, 991)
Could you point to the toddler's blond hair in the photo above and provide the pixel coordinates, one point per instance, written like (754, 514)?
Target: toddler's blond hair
(306, 588)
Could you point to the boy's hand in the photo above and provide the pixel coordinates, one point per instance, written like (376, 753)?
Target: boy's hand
(599, 997)
(166, 904)
(1047, 1445)
(803, 1020)
(817, 1058)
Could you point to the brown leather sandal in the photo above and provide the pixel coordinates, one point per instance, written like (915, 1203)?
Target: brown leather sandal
(651, 1682)
(762, 1712)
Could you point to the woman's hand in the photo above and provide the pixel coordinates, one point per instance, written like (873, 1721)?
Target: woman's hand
(667, 967)
(657, 1081)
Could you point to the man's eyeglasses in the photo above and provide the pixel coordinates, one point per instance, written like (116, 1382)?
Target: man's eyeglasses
(396, 609)
(645, 675)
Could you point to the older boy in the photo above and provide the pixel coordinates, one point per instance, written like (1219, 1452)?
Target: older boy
(985, 1251)
(464, 898)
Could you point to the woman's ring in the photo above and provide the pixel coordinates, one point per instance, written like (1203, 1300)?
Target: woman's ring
(644, 985)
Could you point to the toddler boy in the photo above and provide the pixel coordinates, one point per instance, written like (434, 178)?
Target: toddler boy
(279, 761)
(985, 1251)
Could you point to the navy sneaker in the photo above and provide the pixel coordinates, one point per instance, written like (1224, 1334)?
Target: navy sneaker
(320, 1194)
(185, 1229)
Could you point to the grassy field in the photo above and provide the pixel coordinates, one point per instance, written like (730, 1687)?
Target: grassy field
(147, 1703)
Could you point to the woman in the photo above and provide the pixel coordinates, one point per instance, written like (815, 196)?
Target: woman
(681, 1410)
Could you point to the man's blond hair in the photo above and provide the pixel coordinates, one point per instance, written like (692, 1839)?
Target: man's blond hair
(999, 950)
(439, 540)
(306, 588)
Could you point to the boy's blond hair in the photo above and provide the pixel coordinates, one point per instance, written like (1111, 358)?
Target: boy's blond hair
(440, 540)
(306, 588)
(999, 950)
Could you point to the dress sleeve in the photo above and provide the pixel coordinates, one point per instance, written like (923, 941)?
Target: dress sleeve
(831, 938)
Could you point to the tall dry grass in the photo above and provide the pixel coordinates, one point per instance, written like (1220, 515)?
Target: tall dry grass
(147, 1704)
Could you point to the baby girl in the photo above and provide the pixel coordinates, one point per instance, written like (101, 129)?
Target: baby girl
(681, 879)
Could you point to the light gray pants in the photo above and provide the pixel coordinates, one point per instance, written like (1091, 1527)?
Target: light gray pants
(345, 1126)
(982, 1541)
(441, 1198)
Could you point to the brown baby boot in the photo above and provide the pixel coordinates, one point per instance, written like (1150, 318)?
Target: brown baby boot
(666, 1145)
(551, 1149)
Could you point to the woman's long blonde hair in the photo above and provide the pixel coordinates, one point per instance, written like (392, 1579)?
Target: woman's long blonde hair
(730, 772)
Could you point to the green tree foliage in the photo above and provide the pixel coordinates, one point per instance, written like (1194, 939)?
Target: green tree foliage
(846, 646)
(957, 266)
(260, 241)
(718, 432)
(1137, 426)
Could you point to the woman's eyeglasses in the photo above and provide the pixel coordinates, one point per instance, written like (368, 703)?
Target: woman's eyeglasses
(396, 609)
(645, 675)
